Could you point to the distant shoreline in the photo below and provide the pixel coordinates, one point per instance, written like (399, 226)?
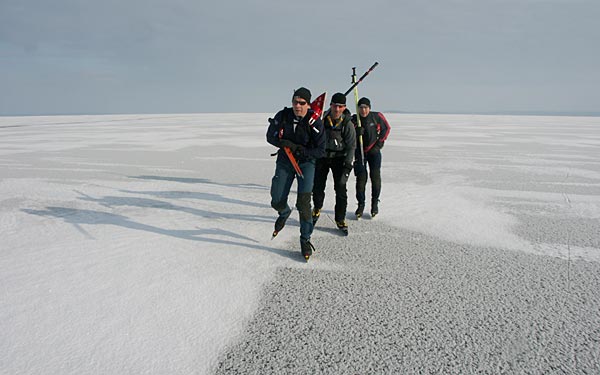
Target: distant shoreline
(492, 113)
(502, 113)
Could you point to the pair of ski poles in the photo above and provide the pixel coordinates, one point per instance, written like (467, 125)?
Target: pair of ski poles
(354, 87)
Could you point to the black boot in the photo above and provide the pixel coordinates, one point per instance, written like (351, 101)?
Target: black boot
(359, 210)
(280, 223)
(307, 248)
(374, 207)
(341, 224)
(316, 213)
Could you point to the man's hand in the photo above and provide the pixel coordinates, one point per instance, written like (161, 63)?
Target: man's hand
(345, 173)
(344, 178)
(289, 144)
(296, 149)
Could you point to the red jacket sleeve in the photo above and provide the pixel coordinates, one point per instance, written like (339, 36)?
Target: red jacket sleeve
(385, 127)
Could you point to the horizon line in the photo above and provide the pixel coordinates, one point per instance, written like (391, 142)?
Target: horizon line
(391, 111)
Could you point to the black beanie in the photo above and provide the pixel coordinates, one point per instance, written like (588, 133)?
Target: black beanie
(338, 98)
(302, 92)
(365, 101)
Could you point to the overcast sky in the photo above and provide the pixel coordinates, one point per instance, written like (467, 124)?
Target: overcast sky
(167, 56)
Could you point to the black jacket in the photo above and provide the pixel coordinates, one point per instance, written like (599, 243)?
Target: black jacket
(285, 125)
(341, 137)
(376, 130)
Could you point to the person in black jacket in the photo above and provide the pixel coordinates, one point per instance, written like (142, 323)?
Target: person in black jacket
(339, 154)
(290, 128)
(373, 131)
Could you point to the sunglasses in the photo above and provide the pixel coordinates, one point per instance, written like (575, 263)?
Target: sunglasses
(299, 102)
(338, 105)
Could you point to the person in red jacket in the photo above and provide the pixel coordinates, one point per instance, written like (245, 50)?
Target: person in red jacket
(374, 130)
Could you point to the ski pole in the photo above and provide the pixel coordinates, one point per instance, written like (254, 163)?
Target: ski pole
(358, 125)
(354, 82)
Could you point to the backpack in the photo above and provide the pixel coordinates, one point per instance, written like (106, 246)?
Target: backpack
(334, 133)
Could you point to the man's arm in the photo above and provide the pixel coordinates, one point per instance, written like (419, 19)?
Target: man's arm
(318, 151)
(273, 130)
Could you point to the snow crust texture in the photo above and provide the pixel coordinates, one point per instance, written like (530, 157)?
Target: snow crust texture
(403, 302)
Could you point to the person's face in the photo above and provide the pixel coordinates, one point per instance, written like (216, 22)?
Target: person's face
(337, 110)
(300, 106)
(364, 110)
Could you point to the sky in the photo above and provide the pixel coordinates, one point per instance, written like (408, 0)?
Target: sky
(152, 56)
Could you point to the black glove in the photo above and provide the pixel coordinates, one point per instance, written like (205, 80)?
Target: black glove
(344, 178)
(377, 147)
(345, 173)
(299, 152)
(360, 131)
(289, 144)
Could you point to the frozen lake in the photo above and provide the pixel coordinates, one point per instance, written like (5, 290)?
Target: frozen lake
(141, 244)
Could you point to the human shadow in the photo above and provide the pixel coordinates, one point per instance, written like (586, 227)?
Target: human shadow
(189, 180)
(116, 201)
(335, 231)
(78, 217)
(196, 195)
(325, 215)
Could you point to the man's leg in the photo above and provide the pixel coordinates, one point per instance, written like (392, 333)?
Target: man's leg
(375, 168)
(320, 182)
(361, 182)
(341, 192)
(281, 184)
(305, 188)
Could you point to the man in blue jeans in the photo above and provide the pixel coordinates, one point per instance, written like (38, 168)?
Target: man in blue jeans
(290, 128)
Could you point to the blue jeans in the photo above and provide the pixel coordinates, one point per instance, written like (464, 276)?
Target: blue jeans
(281, 185)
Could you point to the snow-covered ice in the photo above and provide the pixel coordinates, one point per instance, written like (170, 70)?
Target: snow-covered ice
(141, 243)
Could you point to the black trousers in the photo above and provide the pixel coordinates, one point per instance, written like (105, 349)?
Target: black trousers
(373, 160)
(336, 165)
